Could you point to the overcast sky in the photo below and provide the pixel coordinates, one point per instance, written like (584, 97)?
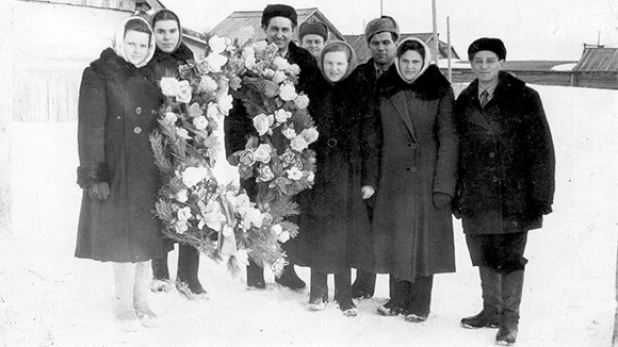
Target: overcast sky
(531, 29)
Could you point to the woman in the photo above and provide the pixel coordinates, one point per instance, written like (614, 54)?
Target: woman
(169, 54)
(334, 226)
(412, 225)
(118, 108)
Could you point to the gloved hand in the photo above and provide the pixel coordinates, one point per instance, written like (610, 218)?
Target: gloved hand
(367, 191)
(441, 200)
(99, 191)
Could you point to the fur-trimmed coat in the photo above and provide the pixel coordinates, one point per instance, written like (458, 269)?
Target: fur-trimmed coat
(118, 109)
(412, 237)
(507, 162)
(335, 231)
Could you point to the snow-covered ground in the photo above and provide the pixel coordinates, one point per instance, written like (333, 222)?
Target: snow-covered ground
(49, 298)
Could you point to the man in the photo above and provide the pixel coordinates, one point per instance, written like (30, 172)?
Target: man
(312, 37)
(278, 23)
(506, 181)
(381, 35)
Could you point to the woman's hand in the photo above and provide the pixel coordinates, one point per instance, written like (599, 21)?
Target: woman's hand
(367, 191)
(99, 191)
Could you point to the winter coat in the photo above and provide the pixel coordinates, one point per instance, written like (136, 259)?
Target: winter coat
(118, 109)
(507, 163)
(418, 158)
(335, 231)
(167, 63)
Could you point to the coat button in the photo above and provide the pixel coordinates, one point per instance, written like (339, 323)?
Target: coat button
(137, 130)
(514, 223)
(138, 111)
(154, 112)
(331, 142)
(413, 169)
(495, 179)
(492, 154)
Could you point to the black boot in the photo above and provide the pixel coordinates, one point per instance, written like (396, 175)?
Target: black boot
(187, 282)
(255, 276)
(364, 285)
(512, 288)
(161, 282)
(491, 315)
(419, 300)
(290, 279)
(398, 303)
(343, 293)
(318, 293)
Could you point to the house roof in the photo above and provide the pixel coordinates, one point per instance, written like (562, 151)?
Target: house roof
(598, 59)
(363, 54)
(242, 19)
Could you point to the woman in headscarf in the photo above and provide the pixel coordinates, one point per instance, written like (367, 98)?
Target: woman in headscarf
(334, 224)
(170, 53)
(118, 108)
(412, 225)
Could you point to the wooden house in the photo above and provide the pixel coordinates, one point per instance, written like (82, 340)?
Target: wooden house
(598, 68)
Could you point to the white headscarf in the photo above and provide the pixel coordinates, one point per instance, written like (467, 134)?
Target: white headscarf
(426, 59)
(117, 43)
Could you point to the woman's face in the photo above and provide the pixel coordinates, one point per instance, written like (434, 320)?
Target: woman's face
(335, 65)
(410, 64)
(135, 46)
(167, 35)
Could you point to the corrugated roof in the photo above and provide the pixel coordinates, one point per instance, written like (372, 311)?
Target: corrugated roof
(598, 59)
(363, 53)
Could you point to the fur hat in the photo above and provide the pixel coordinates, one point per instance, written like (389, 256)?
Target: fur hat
(378, 25)
(487, 44)
(279, 10)
(315, 28)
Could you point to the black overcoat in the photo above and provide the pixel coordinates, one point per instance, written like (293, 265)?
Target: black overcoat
(507, 163)
(412, 237)
(118, 109)
(335, 231)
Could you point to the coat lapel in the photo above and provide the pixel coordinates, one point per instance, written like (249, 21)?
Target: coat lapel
(399, 102)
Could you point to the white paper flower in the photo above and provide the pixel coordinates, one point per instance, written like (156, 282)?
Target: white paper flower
(263, 153)
(252, 217)
(242, 203)
(260, 45)
(248, 52)
(302, 101)
(207, 84)
(287, 92)
(225, 104)
(216, 61)
(250, 62)
(184, 92)
(171, 118)
(200, 122)
(169, 86)
(182, 195)
(310, 135)
(289, 133)
(281, 63)
(227, 231)
(284, 237)
(193, 175)
(242, 257)
(294, 174)
(181, 227)
(282, 115)
(294, 69)
(182, 132)
(299, 143)
(311, 177)
(217, 44)
(276, 229)
(262, 123)
(279, 76)
(269, 73)
(184, 214)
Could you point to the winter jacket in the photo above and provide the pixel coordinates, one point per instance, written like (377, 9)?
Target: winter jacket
(507, 164)
(413, 237)
(118, 109)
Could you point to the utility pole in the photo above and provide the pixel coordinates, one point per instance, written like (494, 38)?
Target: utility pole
(448, 41)
(381, 8)
(434, 12)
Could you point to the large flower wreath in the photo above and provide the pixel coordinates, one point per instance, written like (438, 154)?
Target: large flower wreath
(222, 221)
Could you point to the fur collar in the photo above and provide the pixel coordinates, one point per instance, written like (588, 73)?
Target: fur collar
(508, 86)
(430, 85)
(110, 66)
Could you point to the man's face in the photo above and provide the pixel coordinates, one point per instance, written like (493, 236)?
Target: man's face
(382, 47)
(279, 31)
(486, 66)
(314, 44)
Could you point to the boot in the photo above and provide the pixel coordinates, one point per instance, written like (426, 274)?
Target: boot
(343, 293)
(124, 275)
(491, 315)
(364, 285)
(161, 282)
(255, 276)
(419, 299)
(398, 303)
(187, 282)
(318, 292)
(140, 297)
(290, 279)
(512, 288)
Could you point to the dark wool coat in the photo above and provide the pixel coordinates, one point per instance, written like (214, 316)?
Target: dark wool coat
(335, 231)
(419, 158)
(507, 164)
(167, 63)
(118, 109)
